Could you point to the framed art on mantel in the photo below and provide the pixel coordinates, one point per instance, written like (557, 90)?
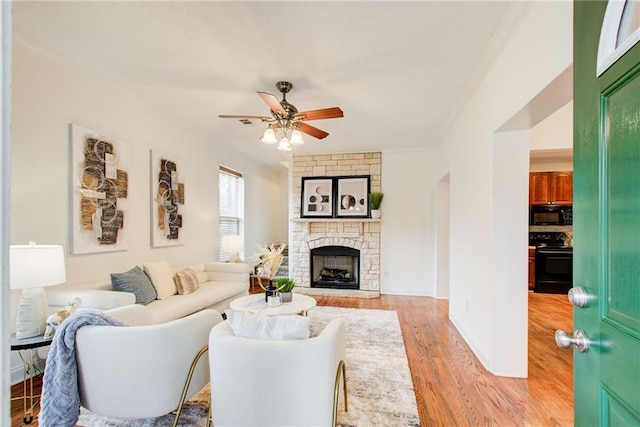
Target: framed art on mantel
(317, 197)
(352, 196)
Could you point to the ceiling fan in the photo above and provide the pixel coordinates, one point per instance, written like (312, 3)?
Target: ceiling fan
(286, 118)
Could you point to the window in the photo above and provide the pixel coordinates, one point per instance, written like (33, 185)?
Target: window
(620, 32)
(629, 22)
(231, 196)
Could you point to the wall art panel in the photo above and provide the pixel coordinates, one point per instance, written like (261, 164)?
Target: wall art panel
(167, 195)
(100, 185)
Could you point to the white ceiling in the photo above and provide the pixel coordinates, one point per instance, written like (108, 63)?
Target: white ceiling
(398, 70)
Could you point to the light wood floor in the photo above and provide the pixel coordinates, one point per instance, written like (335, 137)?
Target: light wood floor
(451, 386)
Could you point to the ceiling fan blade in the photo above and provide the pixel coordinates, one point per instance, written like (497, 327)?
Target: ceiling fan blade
(312, 131)
(231, 116)
(272, 102)
(324, 113)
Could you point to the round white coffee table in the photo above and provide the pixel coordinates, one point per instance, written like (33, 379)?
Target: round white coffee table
(256, 304)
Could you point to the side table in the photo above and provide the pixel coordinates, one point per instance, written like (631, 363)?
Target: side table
(254, 280)
(28, 345)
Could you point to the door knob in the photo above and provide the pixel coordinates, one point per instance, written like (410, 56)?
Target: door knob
(579, 339)
(578, 296)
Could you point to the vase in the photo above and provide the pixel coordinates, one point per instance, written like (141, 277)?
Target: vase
(375, 213)
(286, 296)
(270, 291)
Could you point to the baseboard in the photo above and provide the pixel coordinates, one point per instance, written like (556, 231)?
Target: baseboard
(471, 343)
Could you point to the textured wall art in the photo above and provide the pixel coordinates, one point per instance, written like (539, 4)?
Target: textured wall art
(100, 185)
(167, 194)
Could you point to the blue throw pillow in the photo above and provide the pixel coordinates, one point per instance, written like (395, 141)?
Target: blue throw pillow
(136, 282)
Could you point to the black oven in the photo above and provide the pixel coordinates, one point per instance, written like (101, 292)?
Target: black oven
(554, 269)
(551, 215)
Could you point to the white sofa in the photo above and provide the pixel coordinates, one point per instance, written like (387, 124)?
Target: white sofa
(220, 284)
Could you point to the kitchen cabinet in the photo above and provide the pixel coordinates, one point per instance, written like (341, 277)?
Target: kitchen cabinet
(532, 267)
(551, 188)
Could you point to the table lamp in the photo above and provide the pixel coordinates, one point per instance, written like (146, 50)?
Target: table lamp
(32, 267)
(233, 245)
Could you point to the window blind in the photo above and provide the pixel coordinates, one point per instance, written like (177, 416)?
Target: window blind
(231, 207)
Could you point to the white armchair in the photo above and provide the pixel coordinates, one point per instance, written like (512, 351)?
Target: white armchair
(258, 382)
(141, 371)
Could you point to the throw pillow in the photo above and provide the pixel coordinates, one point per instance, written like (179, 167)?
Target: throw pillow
(136, 282)
(291, 327)
(186, 281)
(161, 278)
(202, 276)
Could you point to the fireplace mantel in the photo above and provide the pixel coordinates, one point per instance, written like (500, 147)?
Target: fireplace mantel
(359, 223)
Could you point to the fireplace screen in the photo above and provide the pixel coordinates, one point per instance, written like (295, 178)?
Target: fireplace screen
(336, 267)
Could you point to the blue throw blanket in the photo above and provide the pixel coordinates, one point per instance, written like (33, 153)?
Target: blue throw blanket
(60, 404)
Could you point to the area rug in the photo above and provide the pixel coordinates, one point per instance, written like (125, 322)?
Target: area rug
(378, 378)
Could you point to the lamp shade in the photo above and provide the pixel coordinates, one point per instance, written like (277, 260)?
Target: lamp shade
(296, 138)
(36, 266)
(232, 244)
(284, 144)
(269, 136)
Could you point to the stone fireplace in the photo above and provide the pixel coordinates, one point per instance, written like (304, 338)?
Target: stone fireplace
(349, 274)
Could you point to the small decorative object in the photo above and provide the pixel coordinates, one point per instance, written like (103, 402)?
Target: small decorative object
(375, 200)
(273, 300)
(269, 292)
(59, 316)
(285, 285)
(270, 259)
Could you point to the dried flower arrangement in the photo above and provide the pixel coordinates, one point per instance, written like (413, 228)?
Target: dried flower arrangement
(269, 260)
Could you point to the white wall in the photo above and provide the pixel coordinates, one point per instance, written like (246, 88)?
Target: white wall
(552, 142)
(510, 256)
(48, 94)
(538, 51)
(551, 166)
(442, 238)
(407, 253)
(555, 132)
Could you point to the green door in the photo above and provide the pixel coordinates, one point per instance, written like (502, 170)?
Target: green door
(606, 226)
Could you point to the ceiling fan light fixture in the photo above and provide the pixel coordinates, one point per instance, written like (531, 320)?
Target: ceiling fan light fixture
(296, 138)
(284, 144)
(269, 136)
(287, 120)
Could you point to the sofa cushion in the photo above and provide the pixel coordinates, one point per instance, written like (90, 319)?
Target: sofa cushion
(161, 278)
(207, 295)
(228, 271)
(201, 274)
(186, 281)
(249, 325)
(136, 282)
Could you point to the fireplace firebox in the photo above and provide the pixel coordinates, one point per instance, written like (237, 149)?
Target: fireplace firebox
(336, 267)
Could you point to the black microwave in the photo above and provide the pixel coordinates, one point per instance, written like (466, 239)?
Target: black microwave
(551, 215)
